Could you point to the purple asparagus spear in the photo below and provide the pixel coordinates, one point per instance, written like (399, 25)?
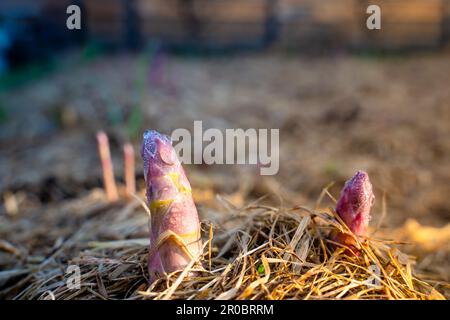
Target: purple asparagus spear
(175, 227)
(353, 207)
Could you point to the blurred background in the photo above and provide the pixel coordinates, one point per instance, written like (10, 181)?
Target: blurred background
(344, 98)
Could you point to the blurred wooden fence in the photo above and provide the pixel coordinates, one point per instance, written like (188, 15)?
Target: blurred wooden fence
(298, 24)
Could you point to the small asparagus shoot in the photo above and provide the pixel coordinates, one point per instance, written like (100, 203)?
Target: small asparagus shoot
(353, 207)
(107, 167)
(129, 170)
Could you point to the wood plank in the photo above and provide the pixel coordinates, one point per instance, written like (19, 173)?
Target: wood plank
(410, 11)
(217, 32)
(396, 35)
(105, 9)
(158, 8)
(244, 11)
(164, 29)
(331, 11)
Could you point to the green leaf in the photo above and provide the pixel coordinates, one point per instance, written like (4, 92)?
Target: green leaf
(135, 123)
(261, 269)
